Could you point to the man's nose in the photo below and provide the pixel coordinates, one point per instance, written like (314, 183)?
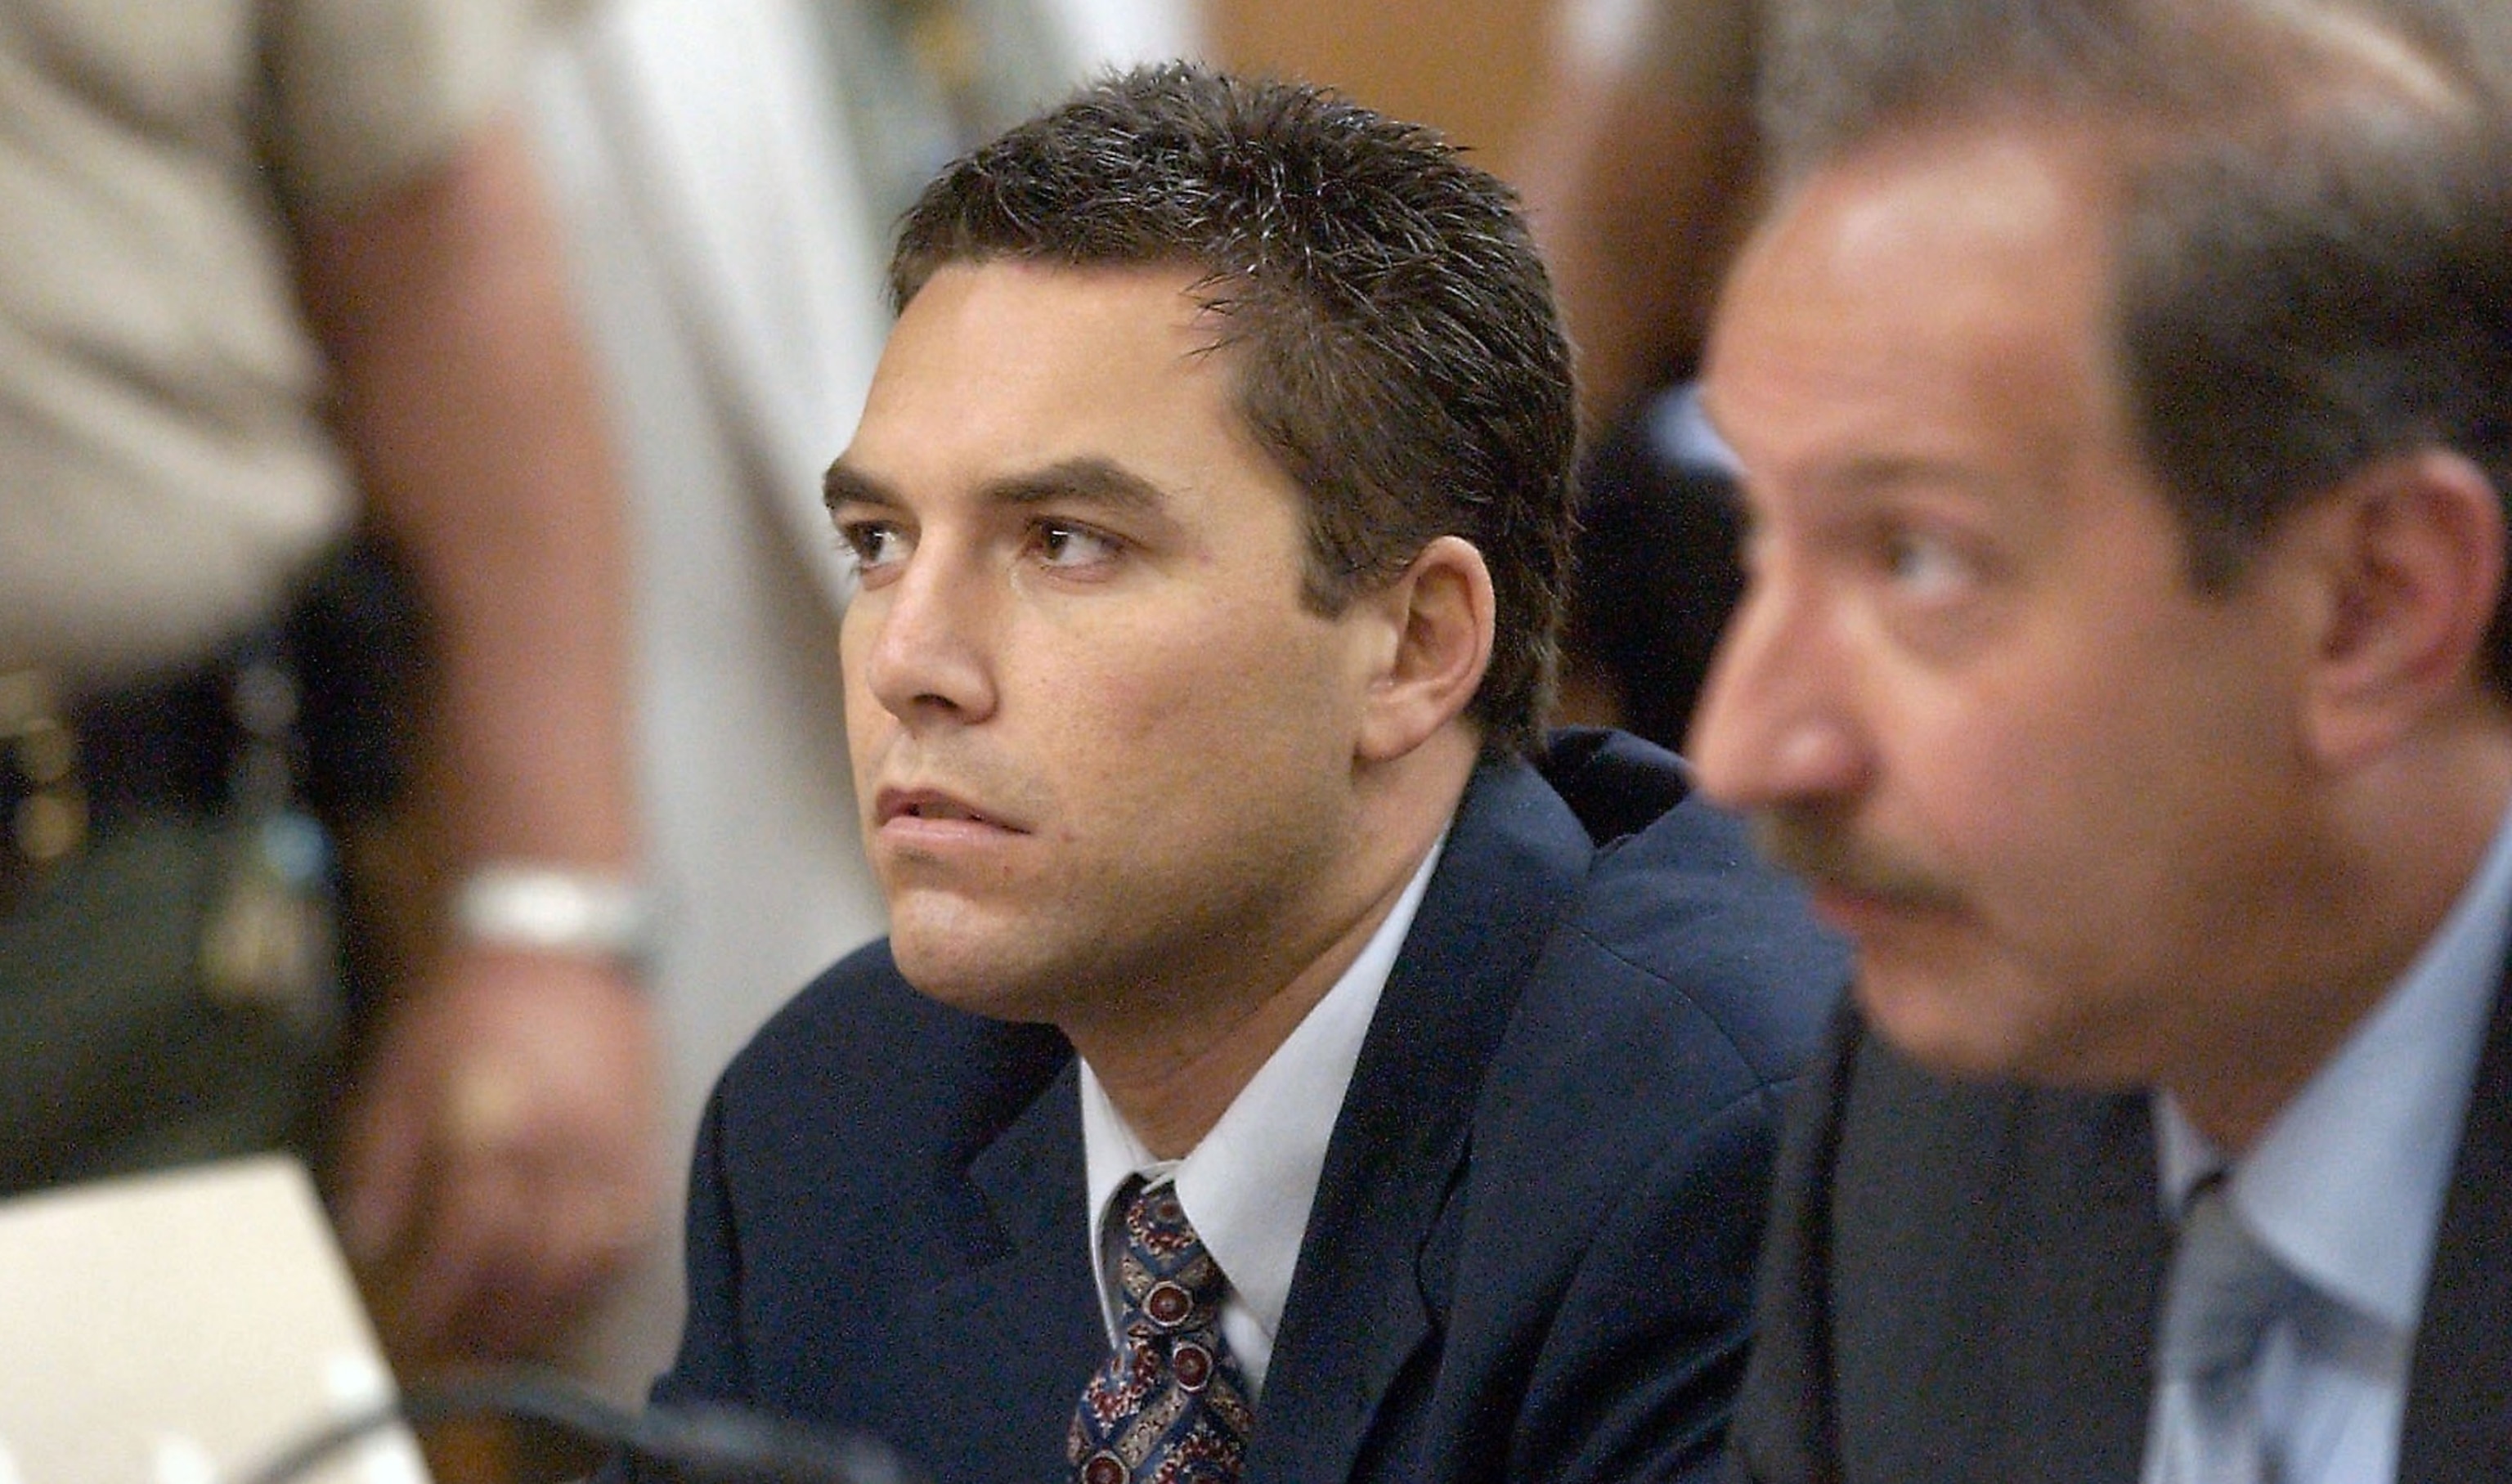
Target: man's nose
(929, 655)
(1776, 723)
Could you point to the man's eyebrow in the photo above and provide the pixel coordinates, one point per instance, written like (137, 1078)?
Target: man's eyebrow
(844, 486)
(1100, 481)
(1881, 475)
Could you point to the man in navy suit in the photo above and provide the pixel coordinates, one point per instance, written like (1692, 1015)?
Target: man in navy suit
(1277, 1039)
(2121, 388)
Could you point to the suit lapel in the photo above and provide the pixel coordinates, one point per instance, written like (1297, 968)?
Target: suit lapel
(2459, 1385)
(1364, 1300)
(2080, 1320)
(1994, 1257)
(1025, 1318)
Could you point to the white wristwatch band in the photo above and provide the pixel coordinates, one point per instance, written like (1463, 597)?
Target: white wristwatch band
(553, 909)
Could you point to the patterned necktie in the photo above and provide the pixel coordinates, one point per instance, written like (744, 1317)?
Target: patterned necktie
(2225, 1292)
(1170, 1405)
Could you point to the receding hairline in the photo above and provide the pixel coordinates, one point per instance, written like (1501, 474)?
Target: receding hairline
(2250, 67)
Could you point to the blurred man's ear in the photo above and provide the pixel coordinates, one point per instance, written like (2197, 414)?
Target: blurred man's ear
(2409, 554)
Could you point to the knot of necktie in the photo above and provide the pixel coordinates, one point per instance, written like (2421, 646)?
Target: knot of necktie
(2225, 1291)
(2227, 1288)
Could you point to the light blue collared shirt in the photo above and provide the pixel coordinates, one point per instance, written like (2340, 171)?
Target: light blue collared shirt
(2345, 1189)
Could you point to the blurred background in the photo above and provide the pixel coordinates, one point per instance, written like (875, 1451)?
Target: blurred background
(1476, 68)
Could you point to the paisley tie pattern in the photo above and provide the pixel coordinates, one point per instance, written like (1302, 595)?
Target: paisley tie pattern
(1169, 1407)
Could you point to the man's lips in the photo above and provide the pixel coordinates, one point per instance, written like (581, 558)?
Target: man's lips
(934, 806)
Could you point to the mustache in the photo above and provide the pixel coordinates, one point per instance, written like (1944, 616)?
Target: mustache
(1819, 845)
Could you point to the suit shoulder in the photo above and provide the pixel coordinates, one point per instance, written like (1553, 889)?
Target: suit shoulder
(1683, 919)
(859, 1054)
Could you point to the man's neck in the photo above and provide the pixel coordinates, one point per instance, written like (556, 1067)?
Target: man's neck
(1173, 1057)
(1173, 1079)
(2416, 846)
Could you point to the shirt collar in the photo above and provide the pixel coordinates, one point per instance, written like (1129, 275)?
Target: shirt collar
(1248, 1186)
(2346, 1185)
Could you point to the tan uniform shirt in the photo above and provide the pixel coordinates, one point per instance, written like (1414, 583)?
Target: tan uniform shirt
(163, 467)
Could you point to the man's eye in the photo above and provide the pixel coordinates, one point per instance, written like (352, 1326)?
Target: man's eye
(1063, 544)
(874, 544)
(1927, 566)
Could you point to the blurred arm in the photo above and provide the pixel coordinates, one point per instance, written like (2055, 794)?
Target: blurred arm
(498, 1156)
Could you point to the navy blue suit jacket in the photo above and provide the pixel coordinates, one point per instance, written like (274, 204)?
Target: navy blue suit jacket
(1531, 1250)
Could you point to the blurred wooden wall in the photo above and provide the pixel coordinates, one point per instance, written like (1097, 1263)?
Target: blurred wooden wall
(1471, 67)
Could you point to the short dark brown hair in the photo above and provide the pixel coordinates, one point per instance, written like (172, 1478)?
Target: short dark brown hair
(1397, 348)
(2313, 240)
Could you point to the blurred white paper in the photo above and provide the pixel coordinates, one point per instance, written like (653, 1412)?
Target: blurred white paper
(183, 1328)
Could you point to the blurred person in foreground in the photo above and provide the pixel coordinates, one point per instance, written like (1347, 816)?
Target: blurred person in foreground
(1283, 1064)
(2121, 391)
(272, 265)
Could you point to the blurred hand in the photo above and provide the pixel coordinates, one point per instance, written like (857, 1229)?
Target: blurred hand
(500, 1152)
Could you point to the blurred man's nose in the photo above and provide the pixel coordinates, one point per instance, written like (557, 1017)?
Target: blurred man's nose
(1775, 724)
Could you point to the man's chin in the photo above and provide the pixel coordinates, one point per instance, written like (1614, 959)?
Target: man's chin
(1942, 1020)
(1971, 1028)
(950, 969)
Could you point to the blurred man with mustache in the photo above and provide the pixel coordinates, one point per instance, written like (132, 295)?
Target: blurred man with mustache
(1285, 1063)
(2121, 392)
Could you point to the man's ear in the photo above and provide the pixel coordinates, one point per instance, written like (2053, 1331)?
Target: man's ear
(1436, 643)
(2411, 552)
